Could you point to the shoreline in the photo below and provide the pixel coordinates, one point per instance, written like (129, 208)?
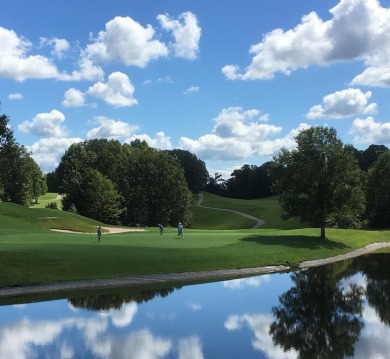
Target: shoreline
(176, 278)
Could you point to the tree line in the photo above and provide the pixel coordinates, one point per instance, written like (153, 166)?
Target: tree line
(322, 182)
(21, 179)
(130, 184)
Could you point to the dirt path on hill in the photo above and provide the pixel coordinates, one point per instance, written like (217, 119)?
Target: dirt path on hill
(259, 222)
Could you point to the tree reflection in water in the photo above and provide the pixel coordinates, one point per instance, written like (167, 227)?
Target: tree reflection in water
(377, 271)
(115, 301)
(318, 317)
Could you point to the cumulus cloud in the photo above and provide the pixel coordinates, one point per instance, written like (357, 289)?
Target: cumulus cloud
(368, 131)
(259, 325)
(238, 134)
(60, 46)
(17, 64)
(342, 104)
(358, 30)
(127, 41)
(186, 33)
(161, 141)
(117, 91)
(47, 152)
(111, 129)
(86, 70)
(190, 348)
(73, 98)
(45, 124)
(374, 76)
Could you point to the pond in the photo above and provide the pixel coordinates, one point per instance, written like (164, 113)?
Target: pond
(336, 311)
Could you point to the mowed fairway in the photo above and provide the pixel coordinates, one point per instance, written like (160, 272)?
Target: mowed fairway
(32, 254)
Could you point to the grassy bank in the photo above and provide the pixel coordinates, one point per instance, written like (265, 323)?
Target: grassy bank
(32, 254)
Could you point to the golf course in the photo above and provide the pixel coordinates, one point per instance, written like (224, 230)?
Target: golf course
(41, 246)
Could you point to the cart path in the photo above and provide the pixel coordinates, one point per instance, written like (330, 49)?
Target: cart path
(259, 222)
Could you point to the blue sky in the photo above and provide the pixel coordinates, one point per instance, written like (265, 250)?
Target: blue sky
(231, 81)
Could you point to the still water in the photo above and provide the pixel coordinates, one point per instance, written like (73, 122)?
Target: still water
(335, 311)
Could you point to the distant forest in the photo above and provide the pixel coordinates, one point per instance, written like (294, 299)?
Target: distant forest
(251, 181)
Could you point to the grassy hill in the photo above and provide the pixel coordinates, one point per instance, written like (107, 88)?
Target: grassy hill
(267, 209)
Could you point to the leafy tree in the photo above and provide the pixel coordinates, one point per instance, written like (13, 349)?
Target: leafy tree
(378, 192)
(249, 182)
(6, 133)
(21, 179)
(99, 198)
(39, 184)
(195, 171)
(52, 182)
(216, 184)
(370, 155)
(154, 188)
(150, 184)
(320, 182)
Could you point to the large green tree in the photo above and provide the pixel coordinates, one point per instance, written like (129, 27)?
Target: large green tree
(320, 182)
(378, 192)
(150, 184)
(195, 171)
(21, 179)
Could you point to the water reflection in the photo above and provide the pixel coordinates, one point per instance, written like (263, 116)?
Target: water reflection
(335, 311)
(318, 317)
(116, 301)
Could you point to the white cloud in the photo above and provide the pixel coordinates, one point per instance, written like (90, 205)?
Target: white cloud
(238, 134)
(17, 64)
(190, 348)
(186, 32)
(358, 30)
(87, 70)
(15, 96)
(124, 316)
(367, 131)
(73, 98)
(191, 90)
(161, 141)
(117, 91)
(374, 76)
(342, 104)
(259, 325)
(140, 344)
(111, 129)
(127, 41)
(60, 46)
(242, 283)
(47, 152)
(45, 124)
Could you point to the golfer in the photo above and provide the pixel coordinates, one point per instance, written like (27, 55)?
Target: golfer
(161, 228)
(180, 230)
(99, 233)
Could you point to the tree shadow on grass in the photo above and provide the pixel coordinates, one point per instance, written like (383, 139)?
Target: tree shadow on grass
(308, 242)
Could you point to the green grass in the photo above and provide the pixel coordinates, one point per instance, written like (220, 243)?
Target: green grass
(32, 254)
(46, 199)
(267, 209)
